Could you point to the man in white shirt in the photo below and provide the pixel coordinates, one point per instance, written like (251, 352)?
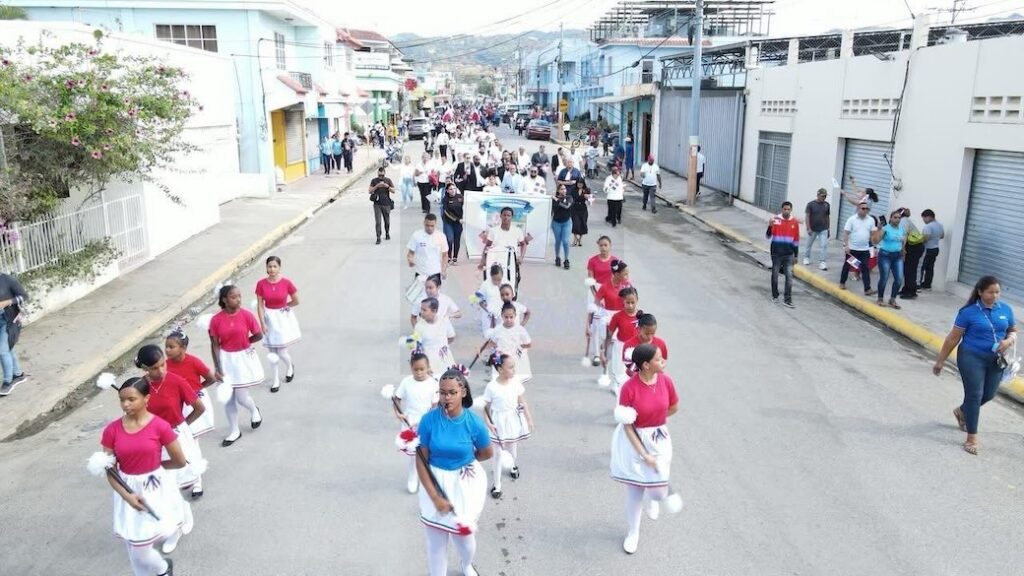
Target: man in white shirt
(535, 183)
(857, 242)
(614, 189)
(422, 172)
(523, 160)
(428, 250)
(442, 143)
(650, 182)
(700, 168)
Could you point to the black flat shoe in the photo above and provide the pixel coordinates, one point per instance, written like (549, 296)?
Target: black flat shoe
(514, 473)
(565, 264)
(197, 494)
(275, 387)
(228, 442)
(257, 423)
(290, 377)
(495, 493)
(378, 240)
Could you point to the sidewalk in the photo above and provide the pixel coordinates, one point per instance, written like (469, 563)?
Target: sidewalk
(926, 320)
(64, 351)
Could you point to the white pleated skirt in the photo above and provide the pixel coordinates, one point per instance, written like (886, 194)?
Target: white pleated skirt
(629, 468)
(511, 425)
(206, 422)
(598, 331)
(466, 489)
(187, 476)
(282, 328)
(242, 369)
(616, 367)
(160, 492)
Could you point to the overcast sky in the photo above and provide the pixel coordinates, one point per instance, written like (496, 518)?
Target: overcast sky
(792, 17)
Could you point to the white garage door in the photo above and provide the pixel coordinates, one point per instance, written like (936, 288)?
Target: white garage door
(993, 240)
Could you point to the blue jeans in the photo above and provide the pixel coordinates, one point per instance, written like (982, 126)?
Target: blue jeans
(407, 186)
(890, 263)
(8, 359)
(981, 377)
(783, 263)
(453, 233)
(821, 239)
(562, 230)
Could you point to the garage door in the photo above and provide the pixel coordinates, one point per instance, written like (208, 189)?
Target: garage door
(772, 180)
(293, 136)
(993, 240)
(865, 161)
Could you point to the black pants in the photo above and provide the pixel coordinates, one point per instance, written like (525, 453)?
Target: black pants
(424, 192)
(443, 148)
(337, 161)
(928, 268)
(650, 194)
(910, 272)
(453, 232)
(863, 256)
(614, 212)
(783, 263)
(700, 176)
(347, 156)
(382, 213)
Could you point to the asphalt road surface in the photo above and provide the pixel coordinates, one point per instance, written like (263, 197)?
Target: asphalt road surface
(809, 441)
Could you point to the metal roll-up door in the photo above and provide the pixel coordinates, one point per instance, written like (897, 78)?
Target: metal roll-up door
(865, 161)
(993, 241)
(293, 136)
(721, 128)
(772, 179)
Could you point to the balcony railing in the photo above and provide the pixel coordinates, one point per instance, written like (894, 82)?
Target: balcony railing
(303, 78)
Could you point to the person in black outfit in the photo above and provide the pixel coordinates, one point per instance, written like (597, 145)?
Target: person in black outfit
(451, 220)
(580, 213)
(12, 295)
(347, 149)
(381, 189)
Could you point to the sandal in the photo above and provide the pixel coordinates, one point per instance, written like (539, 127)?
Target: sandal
(894, 304)
(970, 448)
(960, 421)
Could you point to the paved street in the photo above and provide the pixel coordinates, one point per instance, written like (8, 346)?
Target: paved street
(808, 442)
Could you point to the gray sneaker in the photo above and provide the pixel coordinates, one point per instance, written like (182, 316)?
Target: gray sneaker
(7, 388)
(19, 378)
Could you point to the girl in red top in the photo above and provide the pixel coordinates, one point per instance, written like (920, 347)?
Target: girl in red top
(169, 393)
(623, 327)
(275, 298)
(196, 373)
(606, 302)
(233, 331)
(134, 442)
(647, 327)
(599, 267)
(641, 445)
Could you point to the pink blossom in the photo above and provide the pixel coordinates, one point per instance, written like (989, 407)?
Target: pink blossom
(75, 141)
(104, 88)
(200, 107)
(126, 100)
(69, 116)
(185, 93)
(13, 236)
(70, 83)
(131, 113)
(93, 52)
(96, 154)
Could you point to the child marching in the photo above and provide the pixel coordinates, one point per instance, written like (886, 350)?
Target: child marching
(415, 396)
(646, 330)
(606, 303)
(434, 335)
(488, 294)
(508, 417)
(275, 298)
(507, 295)
(512, 339)
(446, 307)
(622, 326)
(233, 331)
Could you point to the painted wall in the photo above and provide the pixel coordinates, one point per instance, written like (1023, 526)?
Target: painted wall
(935, 144)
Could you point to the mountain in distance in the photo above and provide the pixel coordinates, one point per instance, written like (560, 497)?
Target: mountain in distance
(490, 50)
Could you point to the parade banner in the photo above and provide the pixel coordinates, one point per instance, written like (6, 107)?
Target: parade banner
(532, 213)
(460, 148)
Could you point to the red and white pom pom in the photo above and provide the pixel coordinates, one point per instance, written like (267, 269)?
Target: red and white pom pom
(673, 503)
(99, 462)
(105, 380)
(224, 392)
(407, 441)
(624, 415)
(387, 391)
(203, 322)
(273, 358)
(604, 381)
(464, 527)
(589, 282)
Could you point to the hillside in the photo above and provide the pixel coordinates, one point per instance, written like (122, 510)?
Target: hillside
(482, 50)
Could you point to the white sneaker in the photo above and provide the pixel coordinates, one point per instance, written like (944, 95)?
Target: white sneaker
(653, 510)
(190, 521)
(412, 485)
(171, 543)
(807, 261)
(823, 266)
(470, 571)
(630, 543)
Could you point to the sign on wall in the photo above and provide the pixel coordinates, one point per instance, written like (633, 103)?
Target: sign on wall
(531, 213)
(371, 61)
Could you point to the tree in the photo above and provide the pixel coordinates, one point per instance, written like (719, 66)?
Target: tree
(485, 88)
(12, 13)
(74, 117)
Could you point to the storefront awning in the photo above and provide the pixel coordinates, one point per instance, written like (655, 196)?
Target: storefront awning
(611, 99)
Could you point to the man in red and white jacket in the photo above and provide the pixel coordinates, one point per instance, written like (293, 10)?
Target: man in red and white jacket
(784, 233)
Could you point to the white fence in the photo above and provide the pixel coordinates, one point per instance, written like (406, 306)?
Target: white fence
(35, 244)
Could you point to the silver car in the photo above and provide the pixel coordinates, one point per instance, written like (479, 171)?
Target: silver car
(419, 128)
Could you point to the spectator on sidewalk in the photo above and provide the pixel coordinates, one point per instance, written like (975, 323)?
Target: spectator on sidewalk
(614, 190)
(381, 189)
(784, 233)
(701, 161)
(327, 154)
(912, 259)
(650, 182)
(565, 129)
(892, 246)
(348, 150)
(817, 219)
(857, 234)
(428, 250)
(337, 150)
(12, 295)
(862, 195)
(983, 330)
(627, 155)
(933, 235)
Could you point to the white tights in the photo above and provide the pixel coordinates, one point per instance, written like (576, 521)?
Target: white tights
(513, 450)
(635, 504)
(240, 396)
(437, 550)
(286, 360)
(146, 561)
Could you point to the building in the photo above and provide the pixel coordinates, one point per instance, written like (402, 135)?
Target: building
(380, 72)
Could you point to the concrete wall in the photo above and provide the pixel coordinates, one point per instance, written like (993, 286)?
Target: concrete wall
(936, 140)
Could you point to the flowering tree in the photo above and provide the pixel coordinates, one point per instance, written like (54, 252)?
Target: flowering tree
(76, 117)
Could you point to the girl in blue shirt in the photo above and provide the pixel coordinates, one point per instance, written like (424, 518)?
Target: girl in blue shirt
(453, 441)
(892, 245)
(983, 330)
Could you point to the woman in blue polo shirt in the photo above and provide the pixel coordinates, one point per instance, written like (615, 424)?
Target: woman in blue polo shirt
(453, 441)
(984, 328)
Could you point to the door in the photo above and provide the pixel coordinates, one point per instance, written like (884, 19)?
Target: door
(993, 241)
(647, 123)
(294, 140)
(277, 130)
(866, 161)
(772, 179)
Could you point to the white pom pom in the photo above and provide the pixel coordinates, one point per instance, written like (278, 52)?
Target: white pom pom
(479, 403)
(589, 282)
(674, 503)
(253, 304)
(507, 461)
(604, 381)
(203, 322)
(105, 381)
(387, 391)
(624, 415)
(224, 392)
(99, 462)
(585, 362)
(198, 467)
(273, 358)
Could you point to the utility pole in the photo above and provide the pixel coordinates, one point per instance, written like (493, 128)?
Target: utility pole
(558, 72)
(698, 70)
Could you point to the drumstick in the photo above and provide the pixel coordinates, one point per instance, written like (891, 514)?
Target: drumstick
(430, 474)
(120, 481)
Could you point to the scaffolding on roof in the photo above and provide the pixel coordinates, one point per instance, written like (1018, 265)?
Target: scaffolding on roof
(661, 18)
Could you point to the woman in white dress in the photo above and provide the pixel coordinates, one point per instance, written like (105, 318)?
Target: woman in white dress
(507, 414)
(435, 334)
(507, 295)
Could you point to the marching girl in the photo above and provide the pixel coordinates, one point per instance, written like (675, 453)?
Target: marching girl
(275, 298)
(623, 326)
(446, 307)
(512, 339)
(132, 447)
(453, 441)
(507, 415)
(199, 377)
(435, 334)
(606, 303)
(233, 331)
(507, 297)
(415, 396)
(641, 453)
(488, 293)
(646, 328)
(599, 272)
(168, 394)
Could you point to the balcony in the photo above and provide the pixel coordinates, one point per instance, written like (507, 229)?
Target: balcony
(303, 78)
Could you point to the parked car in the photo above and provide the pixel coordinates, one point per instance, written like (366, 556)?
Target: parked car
(538, 130)
(419, 128)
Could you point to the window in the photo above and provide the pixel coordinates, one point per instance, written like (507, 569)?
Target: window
(329, 54)
(194, 35)
(647, 71)
(282, 63)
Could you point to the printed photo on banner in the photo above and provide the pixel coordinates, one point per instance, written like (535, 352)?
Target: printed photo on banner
(532, 213)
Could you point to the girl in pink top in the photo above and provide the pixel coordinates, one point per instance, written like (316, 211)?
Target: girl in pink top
(233, 331)
(275, 298)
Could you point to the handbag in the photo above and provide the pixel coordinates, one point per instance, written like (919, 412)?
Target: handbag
(1009, 362)
(915, 238)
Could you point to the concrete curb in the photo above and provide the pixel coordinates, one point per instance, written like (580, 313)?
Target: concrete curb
(83, 373)
(891, 320)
